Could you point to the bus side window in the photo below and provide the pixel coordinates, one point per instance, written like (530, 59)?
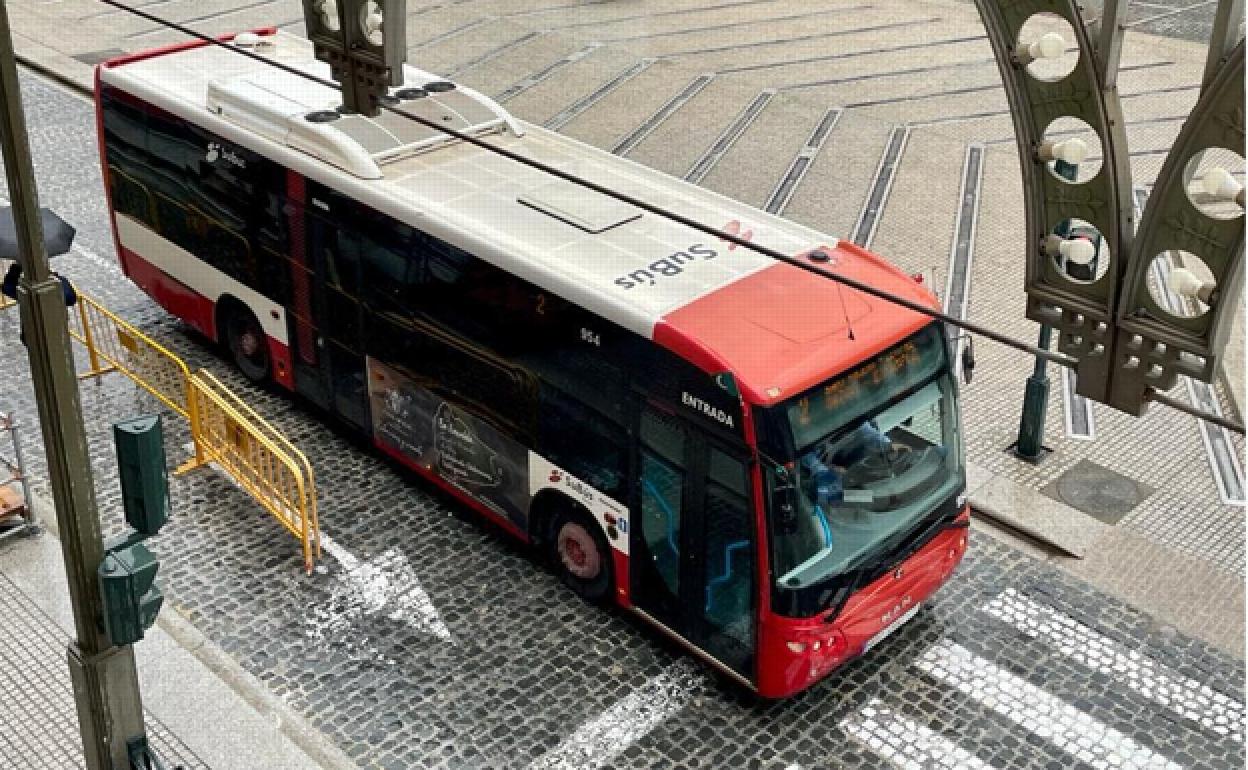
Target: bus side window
(583, 443)
(387, 274)
(273, 244)
(125, 136)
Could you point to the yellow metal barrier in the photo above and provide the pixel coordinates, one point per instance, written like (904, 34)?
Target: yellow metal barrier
(259, 457)
(113, 344)
(225, 430)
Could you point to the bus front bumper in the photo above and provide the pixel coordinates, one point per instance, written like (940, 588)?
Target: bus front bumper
(796, 653)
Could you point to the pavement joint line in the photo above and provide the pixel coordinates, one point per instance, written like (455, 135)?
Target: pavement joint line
(854, 54)
(729, 137)
(906, 743)
(494, 53)
(197, 19)
(1186, 697)
(1167, 14)
(148, 4)
(569, 113)
(801, 38)
(452, 33)
(553, 8)
(735, 24)
(673, 12)
(1081, 735)
(887, 74)
(994, 86)
(1224, 462)
(289, 722)
(1085, 131)
(787, 186)
(881, 186)
(1079, 417)
(962, 251)
(535, 78)
(637, 135)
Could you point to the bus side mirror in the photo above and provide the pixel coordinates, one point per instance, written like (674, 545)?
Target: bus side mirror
(968, 360)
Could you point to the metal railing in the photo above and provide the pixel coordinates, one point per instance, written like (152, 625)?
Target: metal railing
(224, 429)
(262, 460)
(113, 344)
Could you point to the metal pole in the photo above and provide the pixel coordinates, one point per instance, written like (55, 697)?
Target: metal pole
(106, 686)
(1030, 444)
(1109, 42)
(1227, 21)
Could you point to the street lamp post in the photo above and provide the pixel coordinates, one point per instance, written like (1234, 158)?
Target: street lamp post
(106, 687)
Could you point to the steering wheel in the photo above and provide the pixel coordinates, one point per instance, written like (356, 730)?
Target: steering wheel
(894, 461)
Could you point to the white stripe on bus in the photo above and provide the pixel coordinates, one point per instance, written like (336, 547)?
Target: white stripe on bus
(907, 743)
(202, 278)
(1056, 721)
(600, 740)
(1186, 697)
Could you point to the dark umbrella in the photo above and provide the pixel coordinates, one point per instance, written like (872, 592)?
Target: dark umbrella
(58, 235)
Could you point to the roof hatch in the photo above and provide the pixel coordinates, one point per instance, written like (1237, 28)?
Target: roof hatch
(302, 114)
(580, 207)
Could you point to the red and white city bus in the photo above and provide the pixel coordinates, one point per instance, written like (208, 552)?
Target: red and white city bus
(765, 465)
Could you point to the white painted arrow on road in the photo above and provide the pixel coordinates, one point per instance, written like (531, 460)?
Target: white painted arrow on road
(385, 585)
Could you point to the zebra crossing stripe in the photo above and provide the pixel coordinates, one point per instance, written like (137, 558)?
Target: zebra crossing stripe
(1052, 719)
(1184, 696)
(907, 743)
(600, 740)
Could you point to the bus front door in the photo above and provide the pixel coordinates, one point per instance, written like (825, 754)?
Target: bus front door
(692, 565)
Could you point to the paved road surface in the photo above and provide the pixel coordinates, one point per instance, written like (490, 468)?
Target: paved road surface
(431, 642)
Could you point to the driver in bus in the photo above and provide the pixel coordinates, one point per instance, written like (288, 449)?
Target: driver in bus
(827, 473)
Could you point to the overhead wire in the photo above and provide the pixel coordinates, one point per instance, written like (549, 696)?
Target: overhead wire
(970, 326)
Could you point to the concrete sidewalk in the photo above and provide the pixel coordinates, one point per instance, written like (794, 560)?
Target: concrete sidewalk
(197, 716)
(1180, 591)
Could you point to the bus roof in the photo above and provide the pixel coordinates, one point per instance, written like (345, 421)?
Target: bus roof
(779, 330)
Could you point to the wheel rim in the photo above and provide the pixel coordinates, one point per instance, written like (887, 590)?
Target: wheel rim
(247, 342)
(579, 552)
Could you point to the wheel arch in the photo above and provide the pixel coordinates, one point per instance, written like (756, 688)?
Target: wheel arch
(546, 505)
(221, 309)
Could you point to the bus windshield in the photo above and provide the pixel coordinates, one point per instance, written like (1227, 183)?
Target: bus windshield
(877, 450)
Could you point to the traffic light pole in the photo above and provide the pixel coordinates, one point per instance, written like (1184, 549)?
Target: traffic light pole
(1030, 444)
(106, 687)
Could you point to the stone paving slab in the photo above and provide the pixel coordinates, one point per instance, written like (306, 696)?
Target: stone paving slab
(1180, 592)
(847, 162)
(620, 113)
(36, 697)
(1030, 512)
(751, 168)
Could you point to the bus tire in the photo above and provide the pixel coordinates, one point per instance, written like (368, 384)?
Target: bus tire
(581, 555)
(246, 340)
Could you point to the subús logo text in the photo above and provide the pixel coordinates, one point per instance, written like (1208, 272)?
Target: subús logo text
(666, 267)
(216, 152)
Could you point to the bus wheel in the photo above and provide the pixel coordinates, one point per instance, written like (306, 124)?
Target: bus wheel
(248, 344)
(581, 556)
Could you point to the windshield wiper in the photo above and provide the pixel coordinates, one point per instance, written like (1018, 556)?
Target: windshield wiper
(853, 586)
(916, 542)
(924, 535)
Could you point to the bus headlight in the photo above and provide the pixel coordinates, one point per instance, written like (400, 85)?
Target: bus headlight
(796, 648)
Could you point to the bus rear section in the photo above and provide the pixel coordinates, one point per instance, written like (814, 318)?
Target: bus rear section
(766, 466)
